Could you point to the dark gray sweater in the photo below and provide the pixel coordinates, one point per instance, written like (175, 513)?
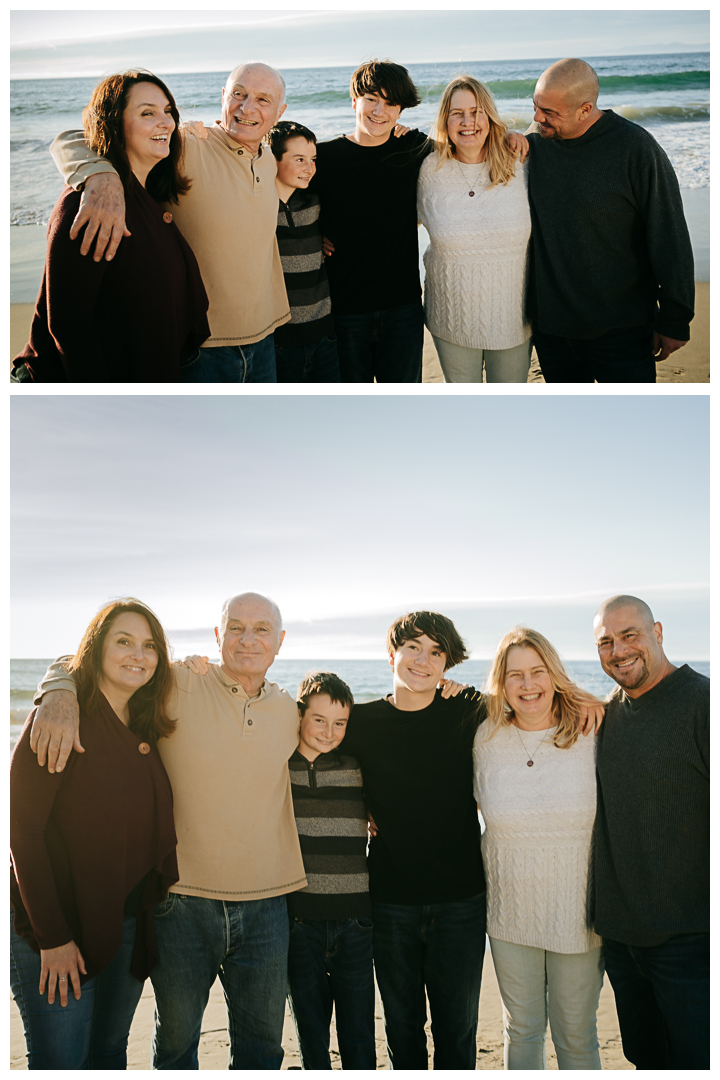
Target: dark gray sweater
(652, 848)
(609, 239)
(332, 823)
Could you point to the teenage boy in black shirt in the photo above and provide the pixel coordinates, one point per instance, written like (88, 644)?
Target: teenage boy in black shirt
(426, 875)
(367, 183)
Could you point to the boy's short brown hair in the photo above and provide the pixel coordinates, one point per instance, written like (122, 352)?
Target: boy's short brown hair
(278, 136)
(323, 682)
(437, 627)
(391, 81)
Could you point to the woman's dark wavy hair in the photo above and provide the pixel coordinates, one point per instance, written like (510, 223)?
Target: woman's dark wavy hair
(103, 126)
(149, 705)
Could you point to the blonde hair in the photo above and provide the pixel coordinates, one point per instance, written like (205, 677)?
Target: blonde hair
(498, 157)
(565, 707)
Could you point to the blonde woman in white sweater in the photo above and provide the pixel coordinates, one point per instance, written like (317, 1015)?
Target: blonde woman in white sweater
(535, 786)
(472, 199)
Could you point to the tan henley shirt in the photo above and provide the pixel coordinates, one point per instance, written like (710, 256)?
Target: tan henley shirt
(228, 217)
(228, 765)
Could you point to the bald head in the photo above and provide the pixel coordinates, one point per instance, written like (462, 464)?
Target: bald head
(565, 99)
(254, 600)
(641, 609)
(574, 79)
(256, 70)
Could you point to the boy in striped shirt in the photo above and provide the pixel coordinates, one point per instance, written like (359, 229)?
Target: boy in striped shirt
(330, 958)
(306, 347)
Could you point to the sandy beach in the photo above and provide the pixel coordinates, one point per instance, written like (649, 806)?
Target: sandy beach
(691, 364)
(213, 1041)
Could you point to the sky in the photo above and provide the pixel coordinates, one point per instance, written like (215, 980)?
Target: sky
(54, 43)
(350, 510)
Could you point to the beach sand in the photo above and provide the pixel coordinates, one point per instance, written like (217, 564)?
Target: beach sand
(213, 1041)
(690, 364)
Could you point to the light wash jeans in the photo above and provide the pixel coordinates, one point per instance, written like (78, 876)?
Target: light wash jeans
(537, 985)
(245, 942)
(461, 364)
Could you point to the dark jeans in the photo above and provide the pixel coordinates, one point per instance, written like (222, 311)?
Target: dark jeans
(439, 948)
(620, 356)
(91, 1033)
(384, 345)
(662, 995)
(245, 942)
(233, 363)
(317, 362)
(333, 962)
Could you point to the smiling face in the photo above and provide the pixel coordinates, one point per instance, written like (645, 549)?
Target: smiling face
(374, 119)
(468, 126)
(296, 167)
(250, 640)
(147, 127)
(630, 649)
(528, 688)
(251, 104)
(322, 728)
(128, 658)
(418, 665)
(559, 119)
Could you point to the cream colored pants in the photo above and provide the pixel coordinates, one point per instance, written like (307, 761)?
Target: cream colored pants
(460, 364)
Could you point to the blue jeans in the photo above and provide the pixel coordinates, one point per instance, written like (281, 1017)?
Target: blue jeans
(333, 962)
(439, 948)
(233, 363)
(245, 942)
(620, 356)
(382, 345)
(91, 1033)
(317, 362)
(662, 995)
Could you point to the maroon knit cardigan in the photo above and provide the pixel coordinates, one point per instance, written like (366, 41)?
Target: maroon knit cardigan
(83, 839)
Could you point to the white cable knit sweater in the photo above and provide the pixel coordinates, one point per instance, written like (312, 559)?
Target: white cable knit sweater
(476, 264)
(538, 843)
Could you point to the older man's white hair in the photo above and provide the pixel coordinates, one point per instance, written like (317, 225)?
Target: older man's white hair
(250, 596)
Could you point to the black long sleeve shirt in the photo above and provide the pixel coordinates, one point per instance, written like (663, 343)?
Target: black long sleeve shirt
(610, 243)
(418, 773)
(368, 200)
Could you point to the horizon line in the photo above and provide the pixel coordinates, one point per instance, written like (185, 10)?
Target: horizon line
(296, 67)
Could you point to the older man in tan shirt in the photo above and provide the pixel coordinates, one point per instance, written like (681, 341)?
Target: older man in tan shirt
(228, 217)
(238, 849)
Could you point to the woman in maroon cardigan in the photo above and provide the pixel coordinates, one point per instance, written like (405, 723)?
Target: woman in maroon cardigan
(141, 317)
(93, 851)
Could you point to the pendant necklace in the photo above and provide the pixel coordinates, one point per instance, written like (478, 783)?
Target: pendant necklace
(530, 761)
(471, 193)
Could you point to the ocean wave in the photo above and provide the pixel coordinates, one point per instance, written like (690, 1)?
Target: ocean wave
(671, 113)
(614, 84)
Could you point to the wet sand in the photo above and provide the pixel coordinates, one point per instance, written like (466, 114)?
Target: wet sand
(213, 1041)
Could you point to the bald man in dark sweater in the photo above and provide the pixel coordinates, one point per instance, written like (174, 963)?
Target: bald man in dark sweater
(652, 846)
(612, 276)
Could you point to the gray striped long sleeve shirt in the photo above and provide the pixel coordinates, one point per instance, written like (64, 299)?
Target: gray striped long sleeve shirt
(332, 825)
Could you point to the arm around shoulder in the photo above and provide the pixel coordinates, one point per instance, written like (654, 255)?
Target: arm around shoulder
(56, 726)
(75, 160)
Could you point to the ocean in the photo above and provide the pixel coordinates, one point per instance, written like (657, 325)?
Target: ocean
(669, 94)
(368, 679)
